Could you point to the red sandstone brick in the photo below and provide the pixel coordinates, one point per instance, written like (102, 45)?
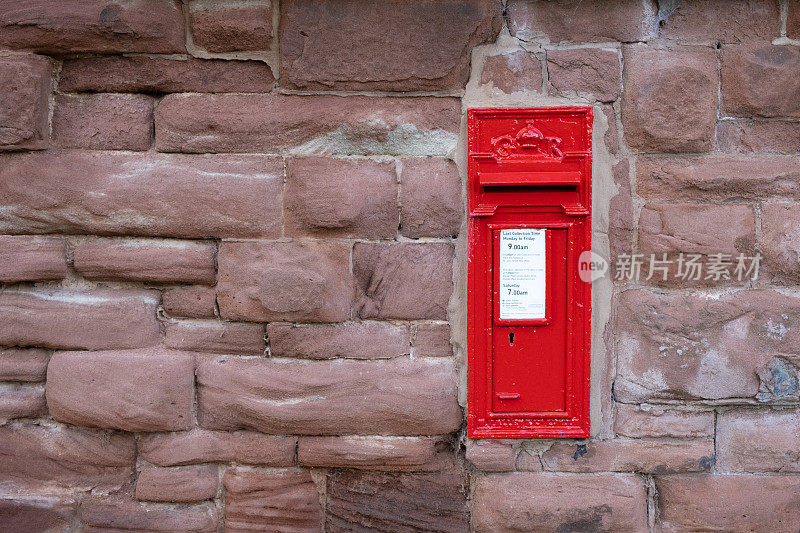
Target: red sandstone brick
(19, 401)
(779, 242)
(611, 137)
(216, 337)
(396, 46)
(660, 421)
(23, 364)
(328, 197)
(491, 456)
(430, 198)
(24, 121)
(394, 397)
(728, 22)
(516, 71)
(124, 74)
(750, 440)
(121, 513)
(793, 20)
(591, 71)
(353, 340)
(37, 513)
(432, 340)
(74, 26)
(760, 136)
(136, 390)
(621, 225)
(403, 281)
(141, 194)
(92, 320)
(178, 484)
(32, 258)
(189, 302)
(103, 121)
(365, 452)
(744, 71)
(146, 260)
(228, 27)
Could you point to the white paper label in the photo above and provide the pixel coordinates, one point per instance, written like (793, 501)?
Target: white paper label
(523, 271)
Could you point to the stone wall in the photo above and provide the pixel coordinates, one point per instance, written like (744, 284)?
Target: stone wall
(233, 268)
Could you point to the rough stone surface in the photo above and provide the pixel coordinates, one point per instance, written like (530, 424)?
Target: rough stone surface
(411, 52)
(283, 500)
(147, 194)
(592, 71)
(103, 514)
(216, 337)
(309, 125)
(793, 20)
(512, 72)
(121, 74)
(758, 441)
(403, 281)
(360, 501)
(491, 456)
(353, 340)
(103, 121)
(177, 484)
(92, 320)
(585, 21)
(744, 69)
(25, 92)
(146, 260)
(137, 390)
(365, 452)
(203, 446)
(726, 22)
(432, 340)
(549, 502)
(690, 346)
(229, 27)
(759, 136)
(23, 364)
(779, 242)
(670, 99)
(621, 225)
(430, 198)
(74, 26)
(189, 302)
(729, 503)
(36, 513)
(611, 136)
(32, 258)
(19, 401)
(660, 421)
(631, 455)
(292, 281)
(340, 198)
(396, 397)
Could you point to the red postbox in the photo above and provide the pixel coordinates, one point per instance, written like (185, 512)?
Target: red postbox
(529, 313)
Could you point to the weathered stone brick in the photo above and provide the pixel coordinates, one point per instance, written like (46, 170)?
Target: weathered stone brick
(793, 20)
(178, 484)
(328, 197)
(119, 513)
(271, 500)
(620, 217)
(669, 103)
(528, 460)
(581, 21)
(230, 27)
(779, 242)
(36, 513)
(47, 458)
(141, 194)
(189, 302)
(432, 340)
(759, 136)
(216, 337)
(161, 261)
(728, 503)
(512, 72)
(727, 22)
(491, 456)
(103, 121)
(32, 258)
(592, 71)
(365, 452)
(744, 69)
(361, 501)
(631, 455)
(23, 364)
(307, 124)
(91, 320)
(717, 177)
(135, 390)
(396, 46)
(430, 198)
(203, 446)
(395, 397)
(611, 136)
(403, 281)
(72, 26)
(660, 421)
(127, 74)
(25, 107)
(750, 440)
(19, 401)
(552, 502)
(692, 346)
(292, 281)
(353, 340)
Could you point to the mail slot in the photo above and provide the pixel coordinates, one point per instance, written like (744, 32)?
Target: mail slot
(529, 313)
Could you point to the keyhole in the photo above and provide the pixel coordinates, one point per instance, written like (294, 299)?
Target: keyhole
(511, 338)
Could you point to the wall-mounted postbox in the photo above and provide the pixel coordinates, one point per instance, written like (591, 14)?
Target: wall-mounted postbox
(529, 313)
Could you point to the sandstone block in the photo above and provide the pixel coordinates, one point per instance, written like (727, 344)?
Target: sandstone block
(103, 121)
(24, 120)
(353, 340)
(32, 258)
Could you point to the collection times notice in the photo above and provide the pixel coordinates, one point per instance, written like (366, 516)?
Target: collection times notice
(523, 273)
